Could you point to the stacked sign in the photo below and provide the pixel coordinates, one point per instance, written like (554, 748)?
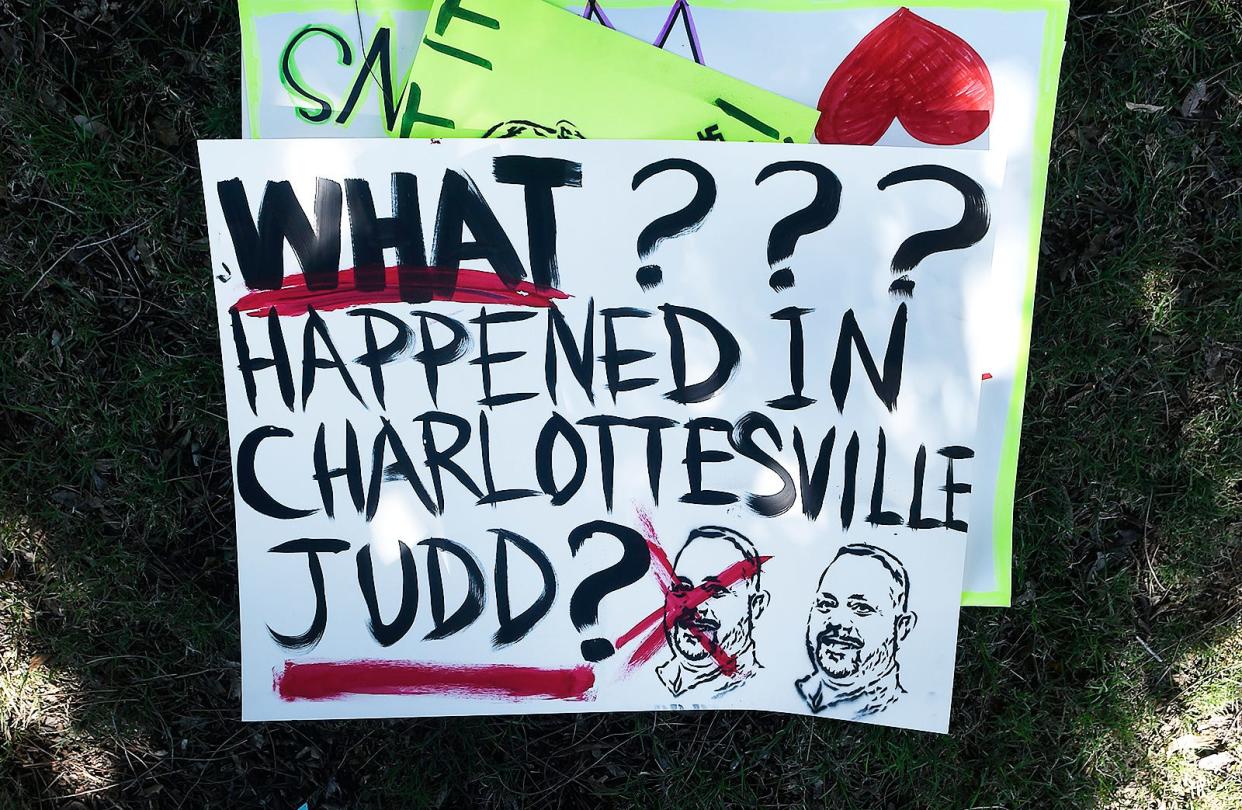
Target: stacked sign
(524, 420)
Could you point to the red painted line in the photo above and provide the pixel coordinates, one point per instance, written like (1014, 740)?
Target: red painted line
(645, 651)
(634, 632)
(664, 573)
(726, 662)
(743, 569)
(440, 284)
(328, 680)
(665, 577)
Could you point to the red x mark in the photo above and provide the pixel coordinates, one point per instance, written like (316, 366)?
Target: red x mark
(676, 602)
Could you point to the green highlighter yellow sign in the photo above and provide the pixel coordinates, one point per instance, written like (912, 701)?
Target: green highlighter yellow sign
(524, 68)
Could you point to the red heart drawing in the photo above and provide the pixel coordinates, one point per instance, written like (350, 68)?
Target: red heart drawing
(907, 68)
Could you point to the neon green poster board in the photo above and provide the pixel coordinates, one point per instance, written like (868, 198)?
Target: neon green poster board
(326, 68)
(790, 47)
(506, 68)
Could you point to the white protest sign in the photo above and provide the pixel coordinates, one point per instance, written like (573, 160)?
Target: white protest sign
(557, 426)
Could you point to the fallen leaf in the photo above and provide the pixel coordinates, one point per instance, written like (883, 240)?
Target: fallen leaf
(1186, 742)
(1212, 357)
(1095, 246)
(1127, 536)
(66, 497)
(1216, 762)
(1193, 104)
(92, 127)
(1147, 108)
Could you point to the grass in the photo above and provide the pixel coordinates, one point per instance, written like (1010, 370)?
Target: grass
(1115, 680)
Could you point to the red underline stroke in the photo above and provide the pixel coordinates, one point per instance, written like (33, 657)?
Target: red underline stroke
(329, 680)
(462, 286)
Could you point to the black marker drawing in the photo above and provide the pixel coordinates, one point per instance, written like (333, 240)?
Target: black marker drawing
(686, 219)
(710, 613)
(633, 565)
(817, 215)
(529, 129)
(711, 133)
(968, 231)
(854, 633)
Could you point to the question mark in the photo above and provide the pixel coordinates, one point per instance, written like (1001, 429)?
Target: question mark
(680, 222)
(971, 228)
(633, 565)
(816, 216)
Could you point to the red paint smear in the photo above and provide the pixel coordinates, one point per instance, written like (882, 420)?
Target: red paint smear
(743, 569)
(652, 644)
(634, 632)
(327, 680)
(987, 376)
(665, 576)
(648, 531)
(470, 287)
(913, 70)
(664, 573)
(726, 662)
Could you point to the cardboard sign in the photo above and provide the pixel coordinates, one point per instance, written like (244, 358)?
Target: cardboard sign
(541, 426)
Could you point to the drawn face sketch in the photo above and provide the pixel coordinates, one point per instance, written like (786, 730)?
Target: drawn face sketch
(856, 626)
(709, 621)
(562, 129)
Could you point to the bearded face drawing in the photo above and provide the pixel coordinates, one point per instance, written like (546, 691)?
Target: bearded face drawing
(854, 632)
(709, 621)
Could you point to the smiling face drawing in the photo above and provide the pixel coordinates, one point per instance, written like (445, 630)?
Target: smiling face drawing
(860, 616)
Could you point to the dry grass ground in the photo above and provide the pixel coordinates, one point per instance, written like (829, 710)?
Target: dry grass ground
(1116, 679)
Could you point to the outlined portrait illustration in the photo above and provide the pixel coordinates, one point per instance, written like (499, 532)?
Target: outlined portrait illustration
(531, 129)
(859, 619)
(582, 593)
(710, 623)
